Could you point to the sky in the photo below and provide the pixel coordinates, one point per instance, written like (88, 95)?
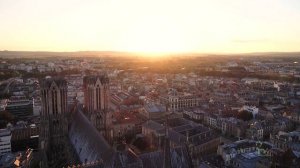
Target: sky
(204, 26)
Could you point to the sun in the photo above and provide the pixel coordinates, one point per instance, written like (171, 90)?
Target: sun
(154, 38)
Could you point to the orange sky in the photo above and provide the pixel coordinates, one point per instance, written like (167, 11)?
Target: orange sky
(150, 26)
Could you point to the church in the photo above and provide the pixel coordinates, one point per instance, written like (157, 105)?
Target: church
(80, 134)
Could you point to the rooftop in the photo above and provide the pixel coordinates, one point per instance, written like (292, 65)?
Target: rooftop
(125, 118)
(154, 108)
(5, 132)
(25, 133)
(89, 144)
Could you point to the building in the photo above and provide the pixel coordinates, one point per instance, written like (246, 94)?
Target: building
(233, 126)
(287, 140)
(54, 123)
(211, 120)
(126, 101)
(245, 153)
(180, 101)
(178, 157)
(3, 104)
(295, 116)
(153, 111)
(37, 106)
(121, 98)
(96, 95)
(68, 137)
(125, 123)
(5, 141)
(256, 131)
(199, 139)
(20, 106)
(196, 115)
(88, 144)
(25, 137)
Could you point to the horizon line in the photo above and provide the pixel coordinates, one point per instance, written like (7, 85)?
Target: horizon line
(155, 53)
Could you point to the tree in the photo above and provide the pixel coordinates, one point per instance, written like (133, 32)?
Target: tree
(284, 160)
(5, 117)
(287, 158)
(245, 115)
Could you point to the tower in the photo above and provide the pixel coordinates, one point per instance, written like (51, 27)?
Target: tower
(54, 125)
(96, 97)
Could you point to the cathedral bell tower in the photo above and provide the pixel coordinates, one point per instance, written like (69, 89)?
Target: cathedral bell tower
(54, 123)
(96, 93)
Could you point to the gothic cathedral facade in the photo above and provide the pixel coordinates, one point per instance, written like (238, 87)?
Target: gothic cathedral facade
(54, 124)
(96, 97)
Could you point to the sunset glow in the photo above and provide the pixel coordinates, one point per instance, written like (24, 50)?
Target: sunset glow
(150, 26)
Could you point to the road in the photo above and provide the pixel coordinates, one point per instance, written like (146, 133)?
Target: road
(10, 81)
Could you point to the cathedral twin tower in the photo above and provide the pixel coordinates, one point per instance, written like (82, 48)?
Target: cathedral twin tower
(56, 116)
(54, 123)
(96, 99)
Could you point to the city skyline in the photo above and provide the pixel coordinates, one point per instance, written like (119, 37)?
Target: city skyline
(79, 110)
(149, 83)
(150, 26)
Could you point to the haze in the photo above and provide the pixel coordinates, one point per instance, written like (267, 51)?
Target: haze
(150, 26)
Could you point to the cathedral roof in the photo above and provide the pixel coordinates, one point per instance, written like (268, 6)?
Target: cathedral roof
(89, 144)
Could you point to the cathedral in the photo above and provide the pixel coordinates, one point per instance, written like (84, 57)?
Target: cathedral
(75, 134)
(54, 121)
(79, 134)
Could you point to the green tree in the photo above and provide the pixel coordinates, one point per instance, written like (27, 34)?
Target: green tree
(245, 115)
(5, 117)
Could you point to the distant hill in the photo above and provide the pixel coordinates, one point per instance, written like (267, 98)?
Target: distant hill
(273, 54)
(42, 54)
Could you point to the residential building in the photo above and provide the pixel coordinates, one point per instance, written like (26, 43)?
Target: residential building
(244, 152)
(5, 141)
(153, 111)
(287, 140)
(20, 106)
(180, 101)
